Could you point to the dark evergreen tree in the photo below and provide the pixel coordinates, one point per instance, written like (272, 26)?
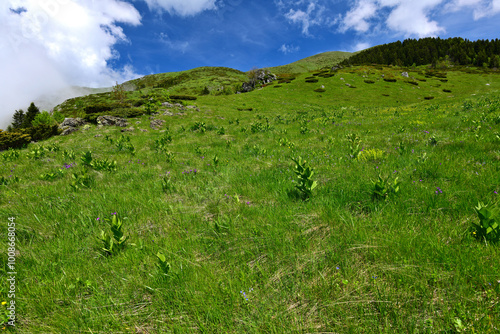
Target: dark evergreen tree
(18, 119)
(30, 115)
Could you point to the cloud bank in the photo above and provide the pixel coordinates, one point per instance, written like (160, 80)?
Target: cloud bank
(48, 45)
(406, 18)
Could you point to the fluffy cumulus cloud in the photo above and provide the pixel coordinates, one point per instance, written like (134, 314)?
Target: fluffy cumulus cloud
(48, 45)
(182, 7)
(357, 18)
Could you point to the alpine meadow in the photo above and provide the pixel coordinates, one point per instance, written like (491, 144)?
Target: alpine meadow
(343, 193)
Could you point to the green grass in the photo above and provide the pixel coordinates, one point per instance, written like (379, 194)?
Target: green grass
(246, 253)
(313, 63)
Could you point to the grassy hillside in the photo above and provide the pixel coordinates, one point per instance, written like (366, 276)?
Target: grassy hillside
(316, 62)
(247, 246)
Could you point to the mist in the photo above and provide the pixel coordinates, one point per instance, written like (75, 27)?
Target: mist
(52, 49)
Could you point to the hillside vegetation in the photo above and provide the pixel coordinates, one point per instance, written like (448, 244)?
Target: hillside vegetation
(338, 201)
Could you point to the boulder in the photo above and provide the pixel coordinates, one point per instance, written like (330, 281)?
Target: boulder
(112, 120)
(72, 122)
(67, 130)
(404, 74)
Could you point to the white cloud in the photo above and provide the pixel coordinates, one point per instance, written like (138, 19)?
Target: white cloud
(182, 7)
(286, 49)
(360, 46)
(50, 44)
(407, 17)
(312, 16)
(357, 17)
(412, 18)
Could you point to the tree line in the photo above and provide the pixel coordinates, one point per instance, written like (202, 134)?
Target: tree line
(425, 51)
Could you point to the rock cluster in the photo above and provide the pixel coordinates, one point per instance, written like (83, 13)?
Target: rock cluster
(260, 77)
(70, 125)
(156, 124)
(112, 120)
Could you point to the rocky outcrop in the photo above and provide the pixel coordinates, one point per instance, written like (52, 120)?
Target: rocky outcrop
(70, 125)
(112, 120)
(72, 122)
(258, 77)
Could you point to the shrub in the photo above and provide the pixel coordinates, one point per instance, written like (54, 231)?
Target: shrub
(13, 139)
(446, 90)
(43, 118)
(312, 80)
(183, 97)
(389, 80)
(369, 81)
(428, 97)
(97, 108)
(320, 90)
(43, 131)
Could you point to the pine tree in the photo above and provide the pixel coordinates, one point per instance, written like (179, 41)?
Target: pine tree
(18, 119)
(30, 115)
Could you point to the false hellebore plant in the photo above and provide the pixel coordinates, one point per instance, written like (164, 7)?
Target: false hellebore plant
(304, 174)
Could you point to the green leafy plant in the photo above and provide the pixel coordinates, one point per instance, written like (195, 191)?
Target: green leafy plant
(80, 181)
(87, 158)
(10, 155)
(488, 228)
(304, 174)
(36, 153)
(52, 176)
(169, 157)
(221, 131)
(285, 142)
(115, 242)
(161, 143)
(123, 144)
(70, 155)
(382, 188)
(167, 185)
(53, 147)
(162, 264)
(199, 126)
(354, 145)
(216, 161)
(199, 151)
(103, 164)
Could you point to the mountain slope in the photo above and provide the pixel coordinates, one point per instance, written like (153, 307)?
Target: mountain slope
(312, 63)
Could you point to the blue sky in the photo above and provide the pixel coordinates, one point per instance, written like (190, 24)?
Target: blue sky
(179, 35)
(51, 44)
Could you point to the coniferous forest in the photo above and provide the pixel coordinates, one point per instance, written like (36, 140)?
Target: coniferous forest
(481, 53)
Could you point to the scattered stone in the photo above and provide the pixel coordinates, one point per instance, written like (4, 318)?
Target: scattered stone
(98, 135)
(404, 74)
(193, 107)
(131, 129)
(86, 127)
(156, 124)
(167, 113)
(144, 130)
(138, 122)
(112, 120)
